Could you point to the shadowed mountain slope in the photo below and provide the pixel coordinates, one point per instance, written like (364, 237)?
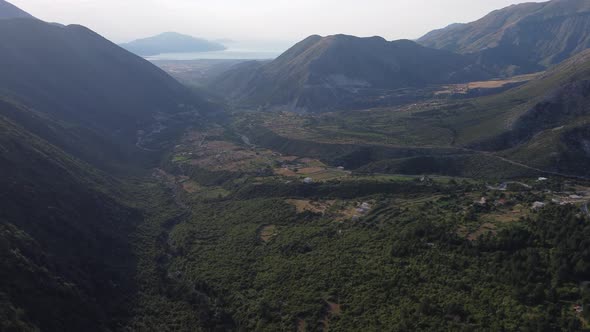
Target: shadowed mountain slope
(66, 263)
(112, 100)
(72, 73)
(74, 107)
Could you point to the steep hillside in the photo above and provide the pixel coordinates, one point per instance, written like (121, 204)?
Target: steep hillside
(552, 132)
(323, 73)
(8, 10)
(171, 42)
(526, 35)
(73, 74)
(542, 124)
(240, 228)
(66, 262)
(75, 110)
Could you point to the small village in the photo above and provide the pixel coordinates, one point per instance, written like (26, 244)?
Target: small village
(574, 195)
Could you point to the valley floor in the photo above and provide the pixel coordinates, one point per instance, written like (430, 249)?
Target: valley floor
(243, 237)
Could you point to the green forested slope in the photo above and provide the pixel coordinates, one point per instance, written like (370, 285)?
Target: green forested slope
(66, 258)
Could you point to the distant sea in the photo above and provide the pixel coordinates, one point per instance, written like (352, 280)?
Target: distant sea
(229, 54)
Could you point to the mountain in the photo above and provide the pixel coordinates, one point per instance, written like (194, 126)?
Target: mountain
(65, 260)
(552, 130)
(543, 125)
(8, 10)
(226, 235)
(323, 73)
(71, 74)
(531, 36)
(171, 42)
(77, 113)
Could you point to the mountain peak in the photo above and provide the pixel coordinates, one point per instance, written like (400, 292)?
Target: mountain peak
(8, 11)
(326, 73)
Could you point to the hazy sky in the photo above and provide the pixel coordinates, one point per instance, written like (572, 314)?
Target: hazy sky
(279, 20)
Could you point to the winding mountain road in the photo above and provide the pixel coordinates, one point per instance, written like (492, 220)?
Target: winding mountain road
(516, 163)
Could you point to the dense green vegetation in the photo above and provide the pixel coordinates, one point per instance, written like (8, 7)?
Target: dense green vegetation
(402, 267)
(66, 262)
(127, 206)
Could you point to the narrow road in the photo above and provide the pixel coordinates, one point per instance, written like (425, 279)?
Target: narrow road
(491, 154)
(520, 183)
(486, 153)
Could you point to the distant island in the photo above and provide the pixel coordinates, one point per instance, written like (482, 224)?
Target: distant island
(171, 42)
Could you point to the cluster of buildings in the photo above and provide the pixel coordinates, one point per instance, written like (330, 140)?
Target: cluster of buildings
(361, 210)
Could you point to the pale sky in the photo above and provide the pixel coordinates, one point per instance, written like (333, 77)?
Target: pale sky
(264, 20)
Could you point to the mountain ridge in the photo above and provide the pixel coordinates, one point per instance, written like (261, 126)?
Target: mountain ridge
(319, 73)
(126, 94)
(532, 33)
(9, 11)
(77, 114)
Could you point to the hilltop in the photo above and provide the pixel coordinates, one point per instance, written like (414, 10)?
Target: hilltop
(324, 73)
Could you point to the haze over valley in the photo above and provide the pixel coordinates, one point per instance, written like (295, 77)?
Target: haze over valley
(181, 167)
